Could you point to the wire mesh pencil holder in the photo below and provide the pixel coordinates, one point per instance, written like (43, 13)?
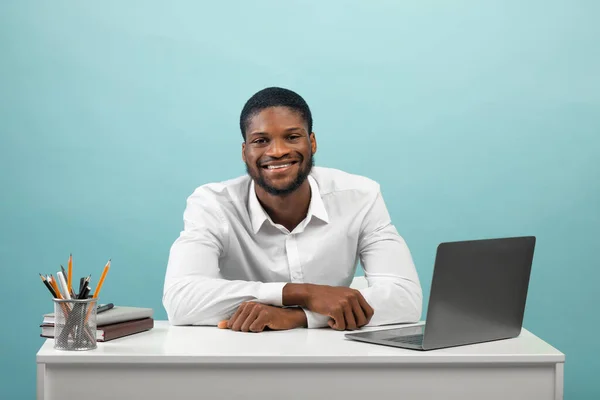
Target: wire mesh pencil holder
(75, 324)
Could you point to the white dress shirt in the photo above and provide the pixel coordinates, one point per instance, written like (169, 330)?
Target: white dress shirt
(230, 251)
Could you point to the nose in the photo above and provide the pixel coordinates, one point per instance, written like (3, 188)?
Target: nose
(277, 148)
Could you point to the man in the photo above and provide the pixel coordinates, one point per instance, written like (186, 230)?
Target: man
(278, 249)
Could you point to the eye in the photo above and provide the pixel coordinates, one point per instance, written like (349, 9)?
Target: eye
(259, 141)
(294, 137)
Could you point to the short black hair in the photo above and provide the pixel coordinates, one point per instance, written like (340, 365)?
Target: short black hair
(274, 97)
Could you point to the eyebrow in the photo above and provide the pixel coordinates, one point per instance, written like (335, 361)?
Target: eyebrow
(288, 130)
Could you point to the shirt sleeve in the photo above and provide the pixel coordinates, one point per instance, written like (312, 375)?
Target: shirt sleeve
(394, 289)
(315, 320)
(195, 292)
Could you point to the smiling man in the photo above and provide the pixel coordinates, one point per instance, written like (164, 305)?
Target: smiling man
(277, 249)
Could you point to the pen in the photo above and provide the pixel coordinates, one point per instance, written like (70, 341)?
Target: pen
(67, 287)
(80, 284)
(84, 286)
(63, 284)
(104, 307)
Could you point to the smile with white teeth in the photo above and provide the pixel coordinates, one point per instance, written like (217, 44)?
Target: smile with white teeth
(278, 166)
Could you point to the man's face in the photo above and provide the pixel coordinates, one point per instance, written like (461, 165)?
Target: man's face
(278, 151)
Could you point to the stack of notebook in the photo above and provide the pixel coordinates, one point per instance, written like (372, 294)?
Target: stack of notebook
(111, 324)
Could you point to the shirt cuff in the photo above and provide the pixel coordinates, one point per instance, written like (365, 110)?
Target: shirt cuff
(271, 293)
(315, 320)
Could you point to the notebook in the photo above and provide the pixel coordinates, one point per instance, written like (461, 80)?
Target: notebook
(112, 331)
(112, 316)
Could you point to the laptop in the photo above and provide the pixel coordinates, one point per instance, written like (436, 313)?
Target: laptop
(478, 294)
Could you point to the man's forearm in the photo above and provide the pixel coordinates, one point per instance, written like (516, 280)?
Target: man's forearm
(296, 294)
(337, 306)
(398, 301)
(299, 317)
(197, 300)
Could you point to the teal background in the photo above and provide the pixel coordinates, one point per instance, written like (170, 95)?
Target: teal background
(479, 119)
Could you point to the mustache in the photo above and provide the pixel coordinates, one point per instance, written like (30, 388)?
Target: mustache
(266, 160)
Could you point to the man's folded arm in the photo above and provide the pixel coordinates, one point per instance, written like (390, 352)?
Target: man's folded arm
(394, 289)
(195, 292)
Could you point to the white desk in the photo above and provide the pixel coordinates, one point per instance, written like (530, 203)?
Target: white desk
(208, 363)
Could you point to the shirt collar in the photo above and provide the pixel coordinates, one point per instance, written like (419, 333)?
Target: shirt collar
(258, 215)
(316, 207)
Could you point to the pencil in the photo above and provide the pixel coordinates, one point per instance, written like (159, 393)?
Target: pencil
(101, 281)
(47, 285)
(97, 291)
(55, 286)
(70, 273)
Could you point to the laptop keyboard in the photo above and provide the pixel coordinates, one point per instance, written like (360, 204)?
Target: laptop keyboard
(411, 339)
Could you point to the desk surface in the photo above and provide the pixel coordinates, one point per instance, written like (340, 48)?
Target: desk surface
(167, 344)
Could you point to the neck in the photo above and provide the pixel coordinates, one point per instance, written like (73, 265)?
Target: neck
(288, 210)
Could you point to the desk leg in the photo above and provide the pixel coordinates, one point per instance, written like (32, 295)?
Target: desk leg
(559, 377)
(41, 380)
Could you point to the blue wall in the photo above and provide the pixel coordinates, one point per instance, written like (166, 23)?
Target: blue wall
(479, 119)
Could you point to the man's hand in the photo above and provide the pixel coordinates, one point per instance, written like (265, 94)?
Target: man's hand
(255, 317)
(347, 307)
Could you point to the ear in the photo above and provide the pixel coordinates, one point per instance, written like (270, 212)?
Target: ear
(313, 143)
(244, 152)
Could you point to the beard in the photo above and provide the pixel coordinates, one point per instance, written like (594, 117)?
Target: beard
(303, 172)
